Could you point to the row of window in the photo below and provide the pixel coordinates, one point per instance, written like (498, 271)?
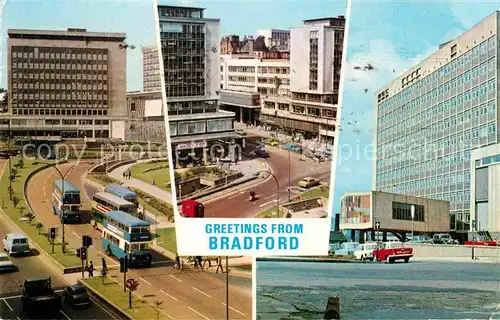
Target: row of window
(202, 126)
(101, 76)
(477, 92)
(57, 66)
(471, 56)
(455, 197)
(433, 181)
(445, 137)
(65, 54)
(488, 160)
(57, 110)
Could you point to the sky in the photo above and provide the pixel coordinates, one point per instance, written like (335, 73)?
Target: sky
(392, 36)
(136, 19)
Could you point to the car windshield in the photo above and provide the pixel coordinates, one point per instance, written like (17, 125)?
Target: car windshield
(394, 245)
(371, 246)
(78, 290)
(19, 241)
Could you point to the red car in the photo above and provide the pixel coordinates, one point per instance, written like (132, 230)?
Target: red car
(490, 243)
(392, 251)
(192, 209)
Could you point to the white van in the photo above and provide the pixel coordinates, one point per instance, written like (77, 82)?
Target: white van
(16, 243)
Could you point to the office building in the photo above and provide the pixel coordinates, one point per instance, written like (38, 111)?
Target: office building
(66, 84)
(191, 63)
(485, 190)
(430, 118)
(151, 69)
(275, 37)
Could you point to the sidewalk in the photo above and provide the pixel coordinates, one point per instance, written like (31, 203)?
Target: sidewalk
(458, 259)
(145, 187)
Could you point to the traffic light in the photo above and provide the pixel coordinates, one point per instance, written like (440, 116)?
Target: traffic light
(78, 252)
(86, 241)
(52, 233)
(83, 253)
(199, 211)
(123, 264)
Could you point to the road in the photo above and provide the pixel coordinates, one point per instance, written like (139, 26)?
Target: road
(190, 294)
(238, 202)
(36, 266)
(417, 290)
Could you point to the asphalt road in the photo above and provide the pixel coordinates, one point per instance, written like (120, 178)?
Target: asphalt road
(417, 290)
(238, 205)
(186, 295)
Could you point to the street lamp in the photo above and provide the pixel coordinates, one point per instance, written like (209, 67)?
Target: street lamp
(289, 184)
(227, 288)
(277, 186)
(377, 228)
(412, 221)
(63, 176)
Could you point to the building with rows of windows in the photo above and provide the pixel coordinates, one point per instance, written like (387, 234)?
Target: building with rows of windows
(430, 119)
(66, 84)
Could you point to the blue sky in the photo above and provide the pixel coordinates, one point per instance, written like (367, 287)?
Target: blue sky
(135, 18)
(392, 36)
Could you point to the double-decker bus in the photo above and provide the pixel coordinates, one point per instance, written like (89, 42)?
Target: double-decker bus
(124, 235)
(103, 202)
(122, 192)
(66, 201)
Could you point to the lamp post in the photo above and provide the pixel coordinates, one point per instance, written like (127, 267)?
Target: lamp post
(377, 228)
(10, 160)
(227, 288)
(63, 176)
(412, 209)
(277, 186)
(289, 184)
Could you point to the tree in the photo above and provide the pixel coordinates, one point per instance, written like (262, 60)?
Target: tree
(132, 285)
(21, 163)
(39, 227)
(15, 201)
(11, 191)
(30, 216)
(13, 174)
(158, 304)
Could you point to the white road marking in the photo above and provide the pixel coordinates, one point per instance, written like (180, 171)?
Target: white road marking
(18, 318)
(265, 204)
(198, 313)
(8, 305)
(158, 262)
(176, 278)
(144, 280)
(12, 297)
(242, 192)
(234, 309)
(168, 295)
(64, 314)
(273, 195)
(235, 196)
(201, 292)
(77, 235)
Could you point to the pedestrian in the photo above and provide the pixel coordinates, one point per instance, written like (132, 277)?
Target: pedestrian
(199, 262)
(195, 258)
(207, 259)
(236, 160)
(91, 269)
(219, 265)
(177, 262)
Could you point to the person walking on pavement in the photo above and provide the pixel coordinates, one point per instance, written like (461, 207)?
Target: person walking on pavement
(207, 259)
(219, 265)
(91, 269)
(177, 262)
(198, 259)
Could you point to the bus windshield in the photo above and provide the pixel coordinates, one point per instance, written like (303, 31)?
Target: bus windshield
(128, 209)
(135, 247)
(71, 198)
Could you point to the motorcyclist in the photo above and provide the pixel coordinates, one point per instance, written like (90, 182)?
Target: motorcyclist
(252, 194)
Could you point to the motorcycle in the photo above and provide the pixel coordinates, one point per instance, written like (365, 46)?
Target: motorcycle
(253, 196)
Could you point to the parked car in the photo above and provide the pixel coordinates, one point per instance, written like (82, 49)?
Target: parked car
(272, 142)
(76, 296)
(5, 263)
(421, 239)
(16, 243)
(444, 238)
(332, 247)
(365, 251)
(308, 182)
(240, 132)
(293, 147)
(347, 248)
(392, 251)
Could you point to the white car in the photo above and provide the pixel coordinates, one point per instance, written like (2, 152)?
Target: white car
(365, 251)
(5, 263)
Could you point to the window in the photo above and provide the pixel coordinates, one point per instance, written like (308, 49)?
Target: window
(402, 211)
(193, 127)
(219, 125)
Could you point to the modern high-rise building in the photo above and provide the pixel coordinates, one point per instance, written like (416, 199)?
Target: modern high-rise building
(151, 73)
(432, 116)
(66, 84)
(275, 37)
(190, 47)
(315, 62)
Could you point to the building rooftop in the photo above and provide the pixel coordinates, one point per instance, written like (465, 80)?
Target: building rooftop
(180, 7)
(326, 18)
(69, 34)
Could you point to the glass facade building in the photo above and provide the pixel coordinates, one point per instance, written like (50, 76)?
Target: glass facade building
(430, 118)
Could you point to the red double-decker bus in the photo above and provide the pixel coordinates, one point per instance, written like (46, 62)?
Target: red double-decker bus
(192, 209)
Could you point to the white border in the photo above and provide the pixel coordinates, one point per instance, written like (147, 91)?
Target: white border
(192, 238)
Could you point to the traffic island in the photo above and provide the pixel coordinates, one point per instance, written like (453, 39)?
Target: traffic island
(112, 293)
(19, 213)
(153, 172)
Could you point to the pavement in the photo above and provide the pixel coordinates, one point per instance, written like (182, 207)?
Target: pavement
(415, 290)
(181, 290)
(37, 265)
(237, 199)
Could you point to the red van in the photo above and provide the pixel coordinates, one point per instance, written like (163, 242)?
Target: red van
(192, 209)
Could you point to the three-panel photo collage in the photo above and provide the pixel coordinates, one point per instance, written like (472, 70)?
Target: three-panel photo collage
(231, 159)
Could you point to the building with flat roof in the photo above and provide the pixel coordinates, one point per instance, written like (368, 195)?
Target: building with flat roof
(191, 63)
(66, 84)
(359, 212)
(151, 73)
(485, 190)
(275, 37)
(431, 117)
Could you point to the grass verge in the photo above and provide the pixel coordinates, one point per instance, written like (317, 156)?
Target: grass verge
(160, 176)
(166, 239)
(34, 230)
(113, 292)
